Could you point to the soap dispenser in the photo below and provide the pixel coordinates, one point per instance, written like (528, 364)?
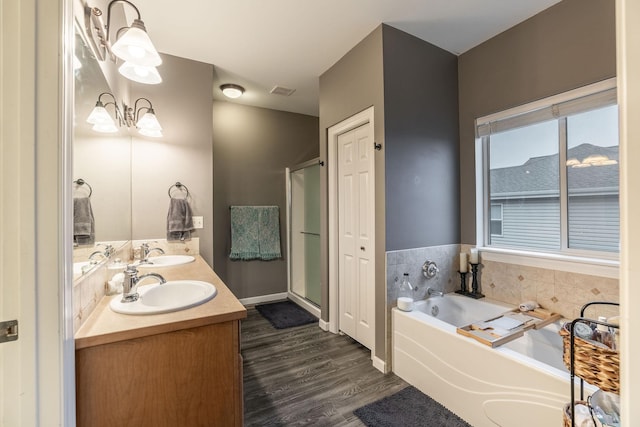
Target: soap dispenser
(405, 294)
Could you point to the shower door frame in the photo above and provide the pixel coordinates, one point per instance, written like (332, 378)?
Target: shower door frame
(312, 308)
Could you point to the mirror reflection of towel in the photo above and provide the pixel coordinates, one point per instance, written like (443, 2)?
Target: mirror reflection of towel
(179, 220)
(83, 221)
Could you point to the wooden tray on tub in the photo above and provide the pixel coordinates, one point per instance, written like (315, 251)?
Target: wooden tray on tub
(508, 326)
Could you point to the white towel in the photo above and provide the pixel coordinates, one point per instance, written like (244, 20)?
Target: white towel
(529, 306)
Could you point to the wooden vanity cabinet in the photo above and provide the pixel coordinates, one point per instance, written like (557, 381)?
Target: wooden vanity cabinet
(188, 377)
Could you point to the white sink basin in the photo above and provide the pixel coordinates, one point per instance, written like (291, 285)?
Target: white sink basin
(83, 267)
(167, 261)
(172, 296)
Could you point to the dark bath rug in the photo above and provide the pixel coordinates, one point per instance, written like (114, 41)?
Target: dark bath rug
(408, 408)
(285, 314)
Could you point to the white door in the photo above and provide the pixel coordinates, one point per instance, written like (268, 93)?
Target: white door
(355, 229)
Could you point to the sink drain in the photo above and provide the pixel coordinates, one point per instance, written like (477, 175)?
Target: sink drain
(435, 310)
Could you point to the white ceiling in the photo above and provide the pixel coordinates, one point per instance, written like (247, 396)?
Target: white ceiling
(262, 43)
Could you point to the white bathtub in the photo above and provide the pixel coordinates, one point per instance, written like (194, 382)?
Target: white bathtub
(522, 383)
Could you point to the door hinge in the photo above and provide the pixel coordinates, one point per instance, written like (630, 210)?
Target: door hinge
(8, 331)
(377, 146)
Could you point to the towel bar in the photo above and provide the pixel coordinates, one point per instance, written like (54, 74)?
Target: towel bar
(80, 182)
(181, 187)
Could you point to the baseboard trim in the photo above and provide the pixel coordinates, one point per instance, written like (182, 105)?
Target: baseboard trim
(324, 325)
(379, 364)
(264, 298)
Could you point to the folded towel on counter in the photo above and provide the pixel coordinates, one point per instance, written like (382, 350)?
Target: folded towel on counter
(255, 233)
(179, 220)
(83, 221)
(529, 306)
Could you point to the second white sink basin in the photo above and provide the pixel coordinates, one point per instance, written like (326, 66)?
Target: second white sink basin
(174, 295)
(167, 261)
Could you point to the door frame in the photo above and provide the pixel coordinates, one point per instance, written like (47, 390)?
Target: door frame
(357, 120)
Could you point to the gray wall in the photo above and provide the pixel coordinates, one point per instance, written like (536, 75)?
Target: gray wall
(421, 135)
(351, 85)
(569, 45)
(251, 149)
(182, 104)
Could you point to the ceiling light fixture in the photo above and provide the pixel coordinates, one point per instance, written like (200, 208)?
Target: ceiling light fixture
(147, 124)
(132, 45)
(232, 91)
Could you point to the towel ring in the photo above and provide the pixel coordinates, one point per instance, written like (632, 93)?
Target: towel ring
(180, 187)
(80, 182)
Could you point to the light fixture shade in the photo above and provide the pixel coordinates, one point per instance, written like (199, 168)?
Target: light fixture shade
(135, 46)
(140, 73)
(151, 132)
(105, 127)
(100, 116)
(232, 91)
(149, 122)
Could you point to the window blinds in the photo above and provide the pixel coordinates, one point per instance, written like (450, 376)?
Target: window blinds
(539, 113)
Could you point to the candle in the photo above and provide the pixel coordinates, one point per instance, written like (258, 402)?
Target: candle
(473, 258)
(463, 262)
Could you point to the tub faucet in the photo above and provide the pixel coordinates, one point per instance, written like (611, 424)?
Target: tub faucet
(434, 292)
(145, 251)
(131, 282)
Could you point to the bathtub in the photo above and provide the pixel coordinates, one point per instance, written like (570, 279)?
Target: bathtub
(522, 383)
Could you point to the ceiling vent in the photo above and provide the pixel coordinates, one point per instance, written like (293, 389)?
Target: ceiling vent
(279, 90)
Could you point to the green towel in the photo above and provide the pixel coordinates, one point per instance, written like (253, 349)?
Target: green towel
(269, 232)
(255, 233)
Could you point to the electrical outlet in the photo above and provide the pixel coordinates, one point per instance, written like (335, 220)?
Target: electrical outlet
(198, 222)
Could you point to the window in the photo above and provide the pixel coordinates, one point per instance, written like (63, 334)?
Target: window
(496, 219)
(550, 175)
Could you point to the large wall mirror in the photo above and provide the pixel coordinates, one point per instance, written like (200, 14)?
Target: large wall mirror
(101, 161)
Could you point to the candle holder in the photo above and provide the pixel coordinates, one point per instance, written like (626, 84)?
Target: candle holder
(463, 283)
(474, 282)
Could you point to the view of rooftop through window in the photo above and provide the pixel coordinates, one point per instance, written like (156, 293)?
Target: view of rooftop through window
(525, 183)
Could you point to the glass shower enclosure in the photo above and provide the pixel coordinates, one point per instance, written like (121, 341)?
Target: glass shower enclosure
(303, 233)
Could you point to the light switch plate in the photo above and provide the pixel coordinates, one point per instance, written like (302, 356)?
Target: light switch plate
(198, 222)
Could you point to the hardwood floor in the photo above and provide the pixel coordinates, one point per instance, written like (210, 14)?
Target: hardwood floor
(304, 376)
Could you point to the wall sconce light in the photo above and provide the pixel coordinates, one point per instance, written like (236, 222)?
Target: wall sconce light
(132, 45)
(232, 91)
(102, 121)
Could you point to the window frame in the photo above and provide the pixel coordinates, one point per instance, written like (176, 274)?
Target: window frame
(556, 107)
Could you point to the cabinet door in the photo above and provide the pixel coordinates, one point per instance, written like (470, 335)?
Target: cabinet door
(186, 378)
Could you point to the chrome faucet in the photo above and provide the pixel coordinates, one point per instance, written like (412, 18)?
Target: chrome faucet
(131, 282)
(434, 292)
(145, 251)
(108, 251)
(95, 254)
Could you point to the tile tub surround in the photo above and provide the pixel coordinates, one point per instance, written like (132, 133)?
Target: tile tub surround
(559, 291)
(411, 260)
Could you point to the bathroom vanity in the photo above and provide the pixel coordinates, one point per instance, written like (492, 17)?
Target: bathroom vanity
(175, 369)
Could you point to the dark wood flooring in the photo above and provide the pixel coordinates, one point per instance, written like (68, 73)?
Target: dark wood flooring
(304, 376)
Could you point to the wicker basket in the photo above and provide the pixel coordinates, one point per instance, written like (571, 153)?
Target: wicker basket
(596, 365)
